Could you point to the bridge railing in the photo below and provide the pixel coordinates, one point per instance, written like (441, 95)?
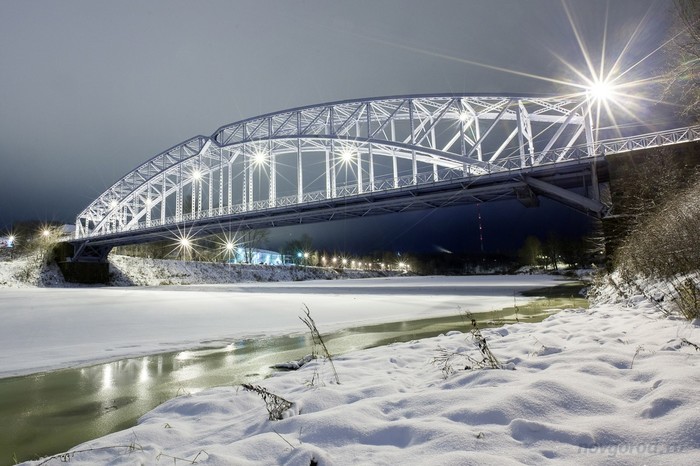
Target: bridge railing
(380, 184)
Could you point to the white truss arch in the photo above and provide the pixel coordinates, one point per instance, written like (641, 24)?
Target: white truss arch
(339, 150)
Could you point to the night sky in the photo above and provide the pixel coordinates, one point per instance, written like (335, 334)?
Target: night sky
(91, 89)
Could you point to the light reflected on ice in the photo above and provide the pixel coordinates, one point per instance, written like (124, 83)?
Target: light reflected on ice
(107, 377)
(143, 375)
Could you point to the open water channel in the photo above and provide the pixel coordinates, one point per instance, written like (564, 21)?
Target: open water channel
(50, 412)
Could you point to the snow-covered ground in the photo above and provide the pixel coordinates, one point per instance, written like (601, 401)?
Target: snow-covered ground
(614, 384)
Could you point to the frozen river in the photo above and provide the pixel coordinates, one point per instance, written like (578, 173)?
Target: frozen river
(48, 328)
(137, 347)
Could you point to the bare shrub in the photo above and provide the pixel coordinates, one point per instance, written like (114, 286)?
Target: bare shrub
(275, 404)
(318, 342)
(487, 360)
(688, 300)
(665, 247)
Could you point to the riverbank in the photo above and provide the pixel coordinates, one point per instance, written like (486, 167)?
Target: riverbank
(613, 384)
(27, 272)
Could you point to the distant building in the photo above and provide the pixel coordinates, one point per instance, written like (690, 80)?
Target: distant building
(257, 256)
(6, 242)
(68, 230)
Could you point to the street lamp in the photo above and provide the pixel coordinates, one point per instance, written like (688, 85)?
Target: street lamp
(11, 245)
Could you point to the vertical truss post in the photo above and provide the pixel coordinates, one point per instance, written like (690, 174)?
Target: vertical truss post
(244, 183)
(588, 124)
(251, 179)
(369, 148)
(300, 174)
(229, 187)
(526, 130)
(477, 137)
(273, 177)
(200, 181)
(300, 178)
(163, 199)
(521, 140)
(414, 164)
(179, 195)
(193, 197)
(359, 170)
(148, 206)
(328, 172)
(210, 191)
(334, 191)
(394, 163)
(221, 179)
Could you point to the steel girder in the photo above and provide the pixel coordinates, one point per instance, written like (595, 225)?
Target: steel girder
(335, 150)
(351, 148)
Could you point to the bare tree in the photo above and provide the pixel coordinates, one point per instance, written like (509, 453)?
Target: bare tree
(683, 78)
(252, 240)
(530, 252)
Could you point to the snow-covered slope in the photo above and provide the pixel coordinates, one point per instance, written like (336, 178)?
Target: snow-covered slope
(153, 272)
(614, 384)
(126, 271)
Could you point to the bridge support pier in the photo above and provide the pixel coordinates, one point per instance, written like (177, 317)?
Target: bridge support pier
(89, 270)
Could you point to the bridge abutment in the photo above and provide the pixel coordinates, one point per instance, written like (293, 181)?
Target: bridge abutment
(75, 271)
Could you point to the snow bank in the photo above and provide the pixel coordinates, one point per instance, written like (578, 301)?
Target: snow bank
(154, 272)
(615, 384)
(24, 272)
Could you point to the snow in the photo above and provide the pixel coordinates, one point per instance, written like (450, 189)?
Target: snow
(614, 384)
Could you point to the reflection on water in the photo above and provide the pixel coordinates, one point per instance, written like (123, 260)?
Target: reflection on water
(55, 411)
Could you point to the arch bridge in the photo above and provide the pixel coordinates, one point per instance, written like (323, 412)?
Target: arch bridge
(358, 158)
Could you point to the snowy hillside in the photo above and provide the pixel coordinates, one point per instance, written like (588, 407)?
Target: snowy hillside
(152, 272)
(126, 271)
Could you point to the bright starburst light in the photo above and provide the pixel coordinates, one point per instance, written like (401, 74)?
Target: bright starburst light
(612, 86)
(183, 244)
(601, 90)
(259, 157)
(227, 244)
(346, 155)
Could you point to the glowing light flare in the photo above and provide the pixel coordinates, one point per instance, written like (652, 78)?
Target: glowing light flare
(259, 157)
(227, 243)
(183, 245)
(196, 175)
(601, 90)
(346, 155)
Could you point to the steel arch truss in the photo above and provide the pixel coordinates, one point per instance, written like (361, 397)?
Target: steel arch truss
(342, 149)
